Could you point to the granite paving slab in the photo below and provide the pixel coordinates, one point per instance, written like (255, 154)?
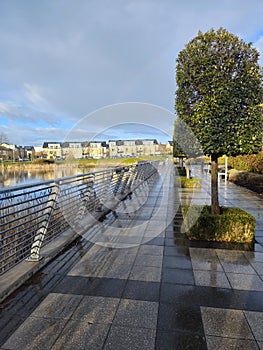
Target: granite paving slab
(78, 334)
(95, 309)
(211, 279)
(255, 320)
(57, 306)
(220, 343)
(136, 314)
(35, 333)
(245, 282)
(120, 338)
(226, 323)
(146, 273)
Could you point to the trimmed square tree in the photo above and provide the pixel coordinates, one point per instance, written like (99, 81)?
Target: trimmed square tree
(219, 96)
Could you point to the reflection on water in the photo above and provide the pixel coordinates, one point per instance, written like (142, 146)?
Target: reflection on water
(18, 177)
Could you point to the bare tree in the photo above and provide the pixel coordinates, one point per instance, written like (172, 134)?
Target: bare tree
(3, 138)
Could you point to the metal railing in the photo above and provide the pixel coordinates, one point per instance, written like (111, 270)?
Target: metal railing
(33, 215)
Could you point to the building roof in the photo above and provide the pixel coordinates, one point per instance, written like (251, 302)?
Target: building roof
(103, 143)
(136, 141)
(45, 144)
(3, 148)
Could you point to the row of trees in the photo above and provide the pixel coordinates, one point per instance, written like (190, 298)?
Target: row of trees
(219, 98)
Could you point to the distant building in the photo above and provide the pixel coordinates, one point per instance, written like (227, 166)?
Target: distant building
(29, 152)
(103, 149)
(169, 147)
(16, 153)
(7, 145)
(21, 153)
(64, 150)
(52, 150)
(97, 149)
(73, 150)
(9, 152)
(6, 153)
(132, 148)
(38, 151)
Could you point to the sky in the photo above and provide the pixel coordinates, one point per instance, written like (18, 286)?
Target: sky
(102, 69)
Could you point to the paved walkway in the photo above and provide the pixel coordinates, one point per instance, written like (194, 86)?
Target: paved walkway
(143, 285)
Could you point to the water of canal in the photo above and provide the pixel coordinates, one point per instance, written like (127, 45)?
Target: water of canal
(10, 178)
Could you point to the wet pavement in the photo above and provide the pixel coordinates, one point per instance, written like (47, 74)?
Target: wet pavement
(135, 281)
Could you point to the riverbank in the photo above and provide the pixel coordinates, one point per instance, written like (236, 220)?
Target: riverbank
(37, 166)
(44, 165)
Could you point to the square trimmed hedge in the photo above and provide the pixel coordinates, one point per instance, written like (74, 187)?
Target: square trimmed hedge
(194, 182)
(232, 225)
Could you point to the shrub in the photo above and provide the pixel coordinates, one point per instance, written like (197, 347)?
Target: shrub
(189, 183)
(251, 163)
(232, 225)
(43, 161)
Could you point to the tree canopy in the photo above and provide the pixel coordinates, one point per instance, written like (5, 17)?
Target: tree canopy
(219, 96)
(219, 93)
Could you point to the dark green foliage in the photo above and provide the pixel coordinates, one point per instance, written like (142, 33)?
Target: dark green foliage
(219, 93)
(233, 225)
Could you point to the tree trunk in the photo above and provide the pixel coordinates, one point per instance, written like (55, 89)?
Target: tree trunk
(214, 186)
(181, 162)
(187, 168)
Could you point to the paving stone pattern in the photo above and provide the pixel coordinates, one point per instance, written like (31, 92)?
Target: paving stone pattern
(164, 293)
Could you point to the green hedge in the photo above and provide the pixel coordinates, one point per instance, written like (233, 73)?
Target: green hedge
(232, 225)
(194, 182)
(248, 162)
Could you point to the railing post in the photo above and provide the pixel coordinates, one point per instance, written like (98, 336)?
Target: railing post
(107, 186)
(132, 173)
(119, 181)
(140, 170)
(126, 180)
(40, 234)
(85, 199)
